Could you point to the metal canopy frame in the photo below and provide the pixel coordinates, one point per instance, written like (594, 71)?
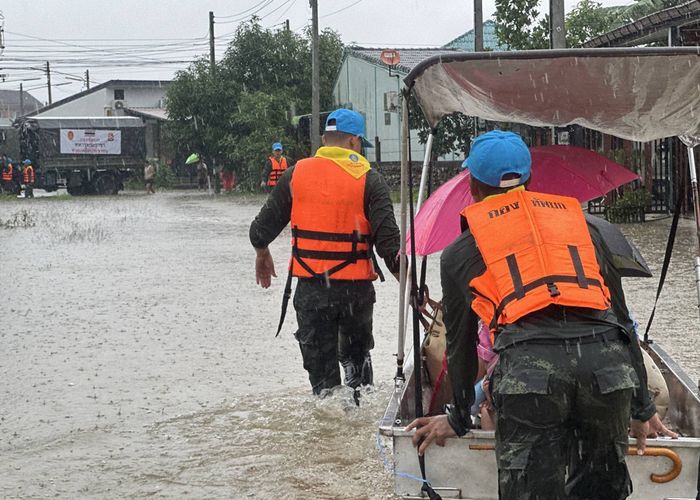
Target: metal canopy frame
(690, 140)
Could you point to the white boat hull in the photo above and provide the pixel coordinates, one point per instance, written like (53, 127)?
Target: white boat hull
(466, 467)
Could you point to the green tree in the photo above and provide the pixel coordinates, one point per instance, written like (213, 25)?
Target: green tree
(587, 20)
(518, 25)
(453, 133)
(233, 115)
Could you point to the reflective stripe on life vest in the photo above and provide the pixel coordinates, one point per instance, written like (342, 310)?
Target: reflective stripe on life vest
(28, 176)
(278, 168)
(7, 173)
(330, 232)
(538, 252)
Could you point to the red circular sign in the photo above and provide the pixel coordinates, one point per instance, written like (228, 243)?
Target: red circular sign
(390, 57)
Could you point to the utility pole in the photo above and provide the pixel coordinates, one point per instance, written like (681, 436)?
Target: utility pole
(478, 26)
(21, 99)
(557, 28)
(48, 80)
(286, 25)
(212, 61)
(87, 78)
(315, 80)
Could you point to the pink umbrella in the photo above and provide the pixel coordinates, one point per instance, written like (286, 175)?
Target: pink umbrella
(565, 170)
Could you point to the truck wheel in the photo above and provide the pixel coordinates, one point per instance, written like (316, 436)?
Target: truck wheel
(105, 184)
(75, 190)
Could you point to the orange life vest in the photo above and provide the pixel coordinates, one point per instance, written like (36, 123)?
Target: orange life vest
(330, 232)
(538, 252)
(28, 176)
(7, 173)
(278, 168)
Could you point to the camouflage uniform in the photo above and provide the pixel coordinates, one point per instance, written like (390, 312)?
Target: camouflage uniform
(329, 333)
(563, 395)
(559, 403)
(334, 316)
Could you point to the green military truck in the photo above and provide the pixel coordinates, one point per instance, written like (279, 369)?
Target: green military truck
(86, 155)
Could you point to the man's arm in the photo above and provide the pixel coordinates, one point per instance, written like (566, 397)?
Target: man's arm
(274, 214)
(380, 212)
(462, 338)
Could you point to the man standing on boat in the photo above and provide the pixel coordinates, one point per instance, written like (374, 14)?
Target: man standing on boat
(340, 210)
(570, 372)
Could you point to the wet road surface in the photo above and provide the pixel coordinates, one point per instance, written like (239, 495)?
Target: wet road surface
(138, 356)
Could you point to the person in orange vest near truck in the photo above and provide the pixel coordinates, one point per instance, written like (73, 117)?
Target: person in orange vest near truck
(8, 185)
(340, 210)
(274, 167)
(28, 178)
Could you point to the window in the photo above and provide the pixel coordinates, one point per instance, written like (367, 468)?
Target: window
(119, 94)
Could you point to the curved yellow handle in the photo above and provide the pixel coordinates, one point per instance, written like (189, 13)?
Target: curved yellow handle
(661, 452)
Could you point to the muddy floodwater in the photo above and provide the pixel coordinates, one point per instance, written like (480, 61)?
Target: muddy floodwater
(138, 357)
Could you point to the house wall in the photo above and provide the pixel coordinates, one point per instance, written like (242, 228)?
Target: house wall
(88, 105)
(94, 104)
(361, 86)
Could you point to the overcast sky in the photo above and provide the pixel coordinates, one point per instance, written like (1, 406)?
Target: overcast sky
(138, 39)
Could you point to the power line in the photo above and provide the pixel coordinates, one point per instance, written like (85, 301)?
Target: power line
(63, 43)
(246, 16)
(286, 10)
(244, 11)
(340, 10)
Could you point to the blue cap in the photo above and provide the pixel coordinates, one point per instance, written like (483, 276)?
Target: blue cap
(348, 121)
(27, 162)
(276, 146)
(497, 153)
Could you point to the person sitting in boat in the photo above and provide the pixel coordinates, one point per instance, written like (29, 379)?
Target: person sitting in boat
(568, 371)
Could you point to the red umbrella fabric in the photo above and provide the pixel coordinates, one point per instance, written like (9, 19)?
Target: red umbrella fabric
(564, 170)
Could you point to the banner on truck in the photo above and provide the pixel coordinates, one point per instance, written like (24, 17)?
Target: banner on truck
(91, 142)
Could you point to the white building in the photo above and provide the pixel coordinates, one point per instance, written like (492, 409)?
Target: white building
(370, 87)
(142, 98)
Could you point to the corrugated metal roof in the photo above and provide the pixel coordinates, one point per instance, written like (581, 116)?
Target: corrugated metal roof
(649, 28)
(154, 113)
(465, 42)
(88, 122)
(409, 57)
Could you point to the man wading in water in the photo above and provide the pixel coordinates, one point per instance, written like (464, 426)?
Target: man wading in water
(339, 210)
(569, 364)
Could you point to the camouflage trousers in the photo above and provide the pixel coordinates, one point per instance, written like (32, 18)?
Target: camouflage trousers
(336, 333)
(563, 410)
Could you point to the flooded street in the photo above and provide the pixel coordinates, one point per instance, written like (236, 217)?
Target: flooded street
(139, 360)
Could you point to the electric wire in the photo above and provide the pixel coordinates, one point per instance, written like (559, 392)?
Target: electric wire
(243, 11)
(246, 16)
(286, 10)
(340, 10)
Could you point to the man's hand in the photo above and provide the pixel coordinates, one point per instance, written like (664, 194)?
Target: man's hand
(652, 428)
(657, 428)
(640, 430)
(264, 267)
(262, 184)
(429, 429)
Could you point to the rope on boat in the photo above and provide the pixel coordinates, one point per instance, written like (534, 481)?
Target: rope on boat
(667, 261)
(389, 466)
